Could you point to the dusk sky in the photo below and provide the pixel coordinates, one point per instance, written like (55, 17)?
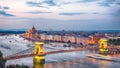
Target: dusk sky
(60, 14)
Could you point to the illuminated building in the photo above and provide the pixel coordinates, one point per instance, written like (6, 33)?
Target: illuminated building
(91, 40)
(31, 33)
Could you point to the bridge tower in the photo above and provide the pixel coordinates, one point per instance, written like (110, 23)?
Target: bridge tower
(103, 47)
(39, 61)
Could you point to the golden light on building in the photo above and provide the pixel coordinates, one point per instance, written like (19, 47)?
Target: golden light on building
(31, 33)
(103, 46)
(91, 40)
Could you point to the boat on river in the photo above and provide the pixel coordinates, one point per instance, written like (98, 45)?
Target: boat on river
(102, 57)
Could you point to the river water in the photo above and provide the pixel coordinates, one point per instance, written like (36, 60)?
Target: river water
(77, 59)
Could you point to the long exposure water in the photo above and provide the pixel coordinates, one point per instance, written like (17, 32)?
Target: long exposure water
(77, 59)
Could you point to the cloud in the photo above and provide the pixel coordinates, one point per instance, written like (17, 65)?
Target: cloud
(87, 0)
(44, 3)
(38, 12)
(62, 9)
(107, 3)
(116, 13)
(35, 4)
(95, 13)
(118, 3)
(5, 14)
(47, 24)
(49, 2)
(4, 7)
(71, 14)
(55, 2)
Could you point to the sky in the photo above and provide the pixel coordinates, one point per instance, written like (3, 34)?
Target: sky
(60, 14)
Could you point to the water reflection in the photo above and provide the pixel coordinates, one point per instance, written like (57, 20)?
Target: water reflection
(103, 64)
(67, 64)
(79, 63)
(37, 65)
(83, 63)
(49, 65)
(59, 65)
(77, 60)
(92, 60)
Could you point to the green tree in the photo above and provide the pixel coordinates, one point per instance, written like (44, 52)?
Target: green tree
(2, 61)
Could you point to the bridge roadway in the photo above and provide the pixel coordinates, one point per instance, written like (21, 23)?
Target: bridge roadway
(17, 56)
(30, 51)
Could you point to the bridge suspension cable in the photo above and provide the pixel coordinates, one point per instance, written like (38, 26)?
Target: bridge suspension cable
(46, 53)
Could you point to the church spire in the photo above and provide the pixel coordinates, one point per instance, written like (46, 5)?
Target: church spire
(33, 29)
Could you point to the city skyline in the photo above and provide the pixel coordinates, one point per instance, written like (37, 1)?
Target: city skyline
(60, 14)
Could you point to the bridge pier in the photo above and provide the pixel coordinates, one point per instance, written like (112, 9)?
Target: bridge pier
(103, 47)
(39, 61)
(39, 65)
